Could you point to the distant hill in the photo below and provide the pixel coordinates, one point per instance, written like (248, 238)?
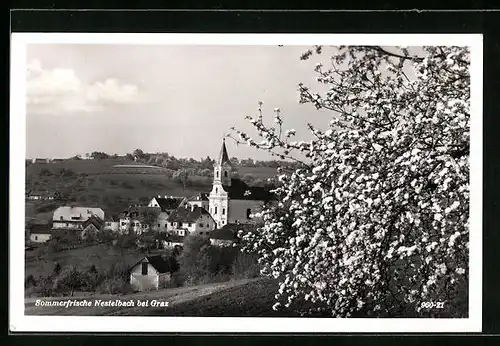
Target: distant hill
(112, 184)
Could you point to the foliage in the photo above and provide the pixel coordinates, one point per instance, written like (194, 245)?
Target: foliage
(30, 281)
(245, 266)
(68, 281)
(376, 218)
(115, 285)
(57, 268)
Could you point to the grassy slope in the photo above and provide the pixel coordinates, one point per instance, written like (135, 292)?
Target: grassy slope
(173, 296)
(114, 188)
(100, 255)
(254, 299)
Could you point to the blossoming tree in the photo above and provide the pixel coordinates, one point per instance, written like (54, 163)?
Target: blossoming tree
(375, 219)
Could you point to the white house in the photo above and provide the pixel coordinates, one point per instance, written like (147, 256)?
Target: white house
(190, 220)
(72, 218)
(111, 224)
(232, 200)
(173, 240)
(40, 233)
(149, 273)
(167, 205)
(200, 200)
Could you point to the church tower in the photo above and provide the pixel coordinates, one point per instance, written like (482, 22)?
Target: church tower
(222, 167)
(219, 199)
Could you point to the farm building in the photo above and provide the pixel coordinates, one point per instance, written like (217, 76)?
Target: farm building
(73, 218)
(92, 226)
(200, 200)
(192, 219)
(149, 273)
(228, 234)
(111, 224)
(40, 233)
(173, 241)
(167, 203)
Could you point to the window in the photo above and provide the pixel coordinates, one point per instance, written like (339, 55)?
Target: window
(158, 225)
(189, 224)
(61, 218)
(249, 212)
(201, 225)
(171, 224)
(144, 268)
(223, 211)
(225, 174)
(216, 190)
(124, 223)
(216, 174)
(215, 211)
(36, 237)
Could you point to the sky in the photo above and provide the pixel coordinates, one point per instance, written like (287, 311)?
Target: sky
(177, 99)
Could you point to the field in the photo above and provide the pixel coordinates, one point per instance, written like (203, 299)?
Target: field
(112, 184)
(101, 255)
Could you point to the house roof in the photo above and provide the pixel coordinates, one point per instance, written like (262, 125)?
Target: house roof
(187, 214)
(240, 190)
(168, 203)
(223, 156)
(138, 211)
(94, 220)
(158, 262)
(67, 212)
(223, 234)
(199, 197)
(41, 229)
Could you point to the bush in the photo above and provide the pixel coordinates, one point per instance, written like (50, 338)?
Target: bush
(115, 285)
(201, 262)
(245, 266)
(69, 281)
(30, 281)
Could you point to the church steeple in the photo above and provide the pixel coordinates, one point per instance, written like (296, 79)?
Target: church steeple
(223, 156)
(222, 167)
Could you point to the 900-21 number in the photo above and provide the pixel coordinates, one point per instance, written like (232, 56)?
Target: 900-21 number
(432, 305)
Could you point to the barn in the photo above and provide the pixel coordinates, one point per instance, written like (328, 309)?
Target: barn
(149, 273)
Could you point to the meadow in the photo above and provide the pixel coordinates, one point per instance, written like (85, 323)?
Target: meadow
(112, 184)
(102, 256)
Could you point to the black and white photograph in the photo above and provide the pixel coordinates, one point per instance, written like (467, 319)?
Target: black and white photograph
(284, 183)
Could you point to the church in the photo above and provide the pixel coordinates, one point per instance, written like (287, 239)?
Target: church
(231, 199)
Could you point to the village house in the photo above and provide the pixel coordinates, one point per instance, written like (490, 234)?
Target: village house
(112, 224)
(138, 219)
(200, 200)
(91, 227)
(228, 235)
(172, 241)
(190, 220)
(150, 272)
(40, 195)
(232, 200)
(167, 205)
(40, 233)
(73, 218)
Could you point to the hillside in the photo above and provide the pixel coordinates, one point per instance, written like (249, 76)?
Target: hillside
(173, 296)
(112, 184)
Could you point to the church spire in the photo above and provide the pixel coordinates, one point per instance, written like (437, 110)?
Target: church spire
(223, 156)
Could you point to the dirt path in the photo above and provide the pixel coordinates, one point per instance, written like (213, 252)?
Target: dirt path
(171, 296)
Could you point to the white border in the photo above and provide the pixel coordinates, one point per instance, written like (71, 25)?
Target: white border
(19, 322)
